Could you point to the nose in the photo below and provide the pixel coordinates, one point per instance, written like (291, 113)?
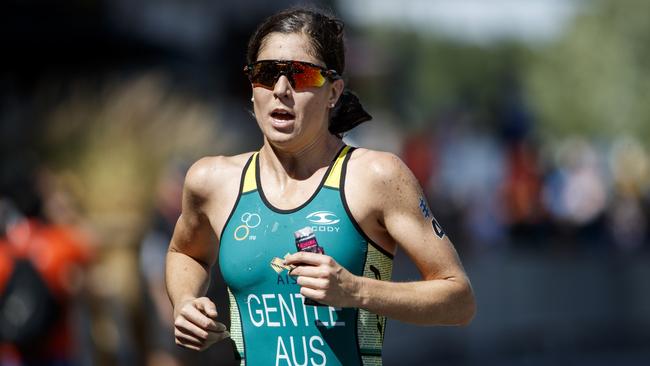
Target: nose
(282, 87)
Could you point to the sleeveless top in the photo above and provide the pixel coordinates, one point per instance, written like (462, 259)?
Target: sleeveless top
(270, 322)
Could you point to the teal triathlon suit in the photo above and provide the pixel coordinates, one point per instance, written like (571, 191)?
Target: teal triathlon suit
(270, 324)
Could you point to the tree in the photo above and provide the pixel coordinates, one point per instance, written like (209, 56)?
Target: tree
(594, 79)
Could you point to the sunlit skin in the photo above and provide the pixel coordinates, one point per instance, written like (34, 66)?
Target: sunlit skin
(382, 194)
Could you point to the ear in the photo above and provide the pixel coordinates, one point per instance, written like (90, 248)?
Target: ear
(336, 90)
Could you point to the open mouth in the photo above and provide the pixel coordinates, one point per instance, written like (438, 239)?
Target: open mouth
(282, 115)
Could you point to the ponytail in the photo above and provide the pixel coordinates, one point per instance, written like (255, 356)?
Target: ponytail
(347, 114)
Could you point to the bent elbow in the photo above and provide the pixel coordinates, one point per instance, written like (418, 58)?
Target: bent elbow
(468, 314)
(468, 306)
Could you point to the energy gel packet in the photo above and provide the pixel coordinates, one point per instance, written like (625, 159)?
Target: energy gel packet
(306, 242)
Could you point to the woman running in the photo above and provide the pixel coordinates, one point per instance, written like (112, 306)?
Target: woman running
(307, 226)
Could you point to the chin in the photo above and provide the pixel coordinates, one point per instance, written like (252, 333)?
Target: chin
(280, 133)
(279, 137)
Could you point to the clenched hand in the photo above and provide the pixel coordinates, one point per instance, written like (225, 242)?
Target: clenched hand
(195, 326)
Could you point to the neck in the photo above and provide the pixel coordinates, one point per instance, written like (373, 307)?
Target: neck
(303, 162)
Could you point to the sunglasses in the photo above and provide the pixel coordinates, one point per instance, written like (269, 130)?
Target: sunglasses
(301, 75)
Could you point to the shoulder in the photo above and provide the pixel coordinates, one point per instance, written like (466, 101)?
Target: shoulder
(211, 173)
(379, 186)
(379, 168)
(379, 181)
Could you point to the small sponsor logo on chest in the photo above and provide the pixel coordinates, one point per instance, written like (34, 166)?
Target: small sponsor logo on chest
(324, 221)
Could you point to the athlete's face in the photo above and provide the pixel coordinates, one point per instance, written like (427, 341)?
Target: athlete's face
(287, 116)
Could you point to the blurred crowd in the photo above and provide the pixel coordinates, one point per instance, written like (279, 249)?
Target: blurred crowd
(570, 196)
(84, 228)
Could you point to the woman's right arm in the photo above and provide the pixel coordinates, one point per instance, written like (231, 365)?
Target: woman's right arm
(189, 258)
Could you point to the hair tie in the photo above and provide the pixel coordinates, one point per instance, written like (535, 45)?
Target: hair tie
(347, 113)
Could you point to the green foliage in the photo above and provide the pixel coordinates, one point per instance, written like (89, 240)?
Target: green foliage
(422, 75)
(594, 80)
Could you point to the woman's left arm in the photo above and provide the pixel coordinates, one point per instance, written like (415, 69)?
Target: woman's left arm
(444, 295)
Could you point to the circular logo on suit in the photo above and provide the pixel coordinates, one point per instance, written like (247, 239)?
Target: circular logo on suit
(249, 221)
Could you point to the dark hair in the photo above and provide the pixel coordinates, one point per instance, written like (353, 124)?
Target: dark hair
(325, 33)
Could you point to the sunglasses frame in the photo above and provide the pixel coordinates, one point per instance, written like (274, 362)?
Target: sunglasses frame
(326, 73)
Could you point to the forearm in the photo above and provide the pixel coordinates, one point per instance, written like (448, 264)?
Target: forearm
(433, 302)
(185, 277)
(195, 316)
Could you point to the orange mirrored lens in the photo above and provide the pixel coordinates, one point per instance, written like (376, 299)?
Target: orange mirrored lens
(307, 77)
(301, 75)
